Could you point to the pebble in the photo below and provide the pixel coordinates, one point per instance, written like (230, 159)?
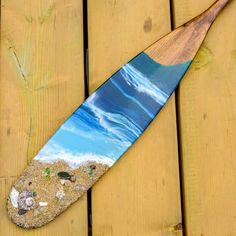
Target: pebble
(72, 178)
(60, 195)
(77, 187)
(93, 167)
(36, 212)
(63, 175)
(68, 183)
(22, 211)
(83, 188)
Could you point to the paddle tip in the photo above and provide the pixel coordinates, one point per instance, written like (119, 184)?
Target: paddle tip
(216, 8)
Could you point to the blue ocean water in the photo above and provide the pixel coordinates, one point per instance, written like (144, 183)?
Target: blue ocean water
(116, 114)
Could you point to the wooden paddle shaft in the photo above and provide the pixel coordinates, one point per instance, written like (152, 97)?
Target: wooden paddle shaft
(182, 44)
(215, 9)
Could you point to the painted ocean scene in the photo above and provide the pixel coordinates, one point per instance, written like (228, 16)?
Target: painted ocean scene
(115, 115)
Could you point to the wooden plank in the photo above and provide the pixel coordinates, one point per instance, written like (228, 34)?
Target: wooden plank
(41, 84)
(140, 195)
(207, 108)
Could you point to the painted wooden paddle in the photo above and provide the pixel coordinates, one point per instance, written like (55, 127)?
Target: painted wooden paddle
(96, 135)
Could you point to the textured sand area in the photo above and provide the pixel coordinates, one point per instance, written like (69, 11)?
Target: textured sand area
(45, 190)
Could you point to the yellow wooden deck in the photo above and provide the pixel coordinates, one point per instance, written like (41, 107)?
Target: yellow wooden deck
(42, 82)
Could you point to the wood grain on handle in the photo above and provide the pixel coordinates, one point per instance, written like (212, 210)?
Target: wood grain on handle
(218, 6)
(182, 44)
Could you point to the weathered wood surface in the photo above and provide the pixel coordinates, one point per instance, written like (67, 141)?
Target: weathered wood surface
(207, 110)
(140, 195)
(41, 84)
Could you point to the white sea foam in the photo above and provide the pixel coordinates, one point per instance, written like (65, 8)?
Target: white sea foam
(135, 78)
(52, 153)
(105, 118)
(131, 98)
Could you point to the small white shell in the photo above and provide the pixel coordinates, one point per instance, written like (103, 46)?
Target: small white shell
(14, 197)
(43, 204)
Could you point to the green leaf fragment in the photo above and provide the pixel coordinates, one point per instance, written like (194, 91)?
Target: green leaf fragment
(47, 173)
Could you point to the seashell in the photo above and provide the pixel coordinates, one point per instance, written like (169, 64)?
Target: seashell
(60, 195)
(43, 204)
(29, 201)
(26, 201)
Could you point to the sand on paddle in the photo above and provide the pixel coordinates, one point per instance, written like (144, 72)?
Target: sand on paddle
(46, 190)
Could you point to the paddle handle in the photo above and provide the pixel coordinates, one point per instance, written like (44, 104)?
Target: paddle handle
(216, 8)
(208, 16)
(182, 44)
